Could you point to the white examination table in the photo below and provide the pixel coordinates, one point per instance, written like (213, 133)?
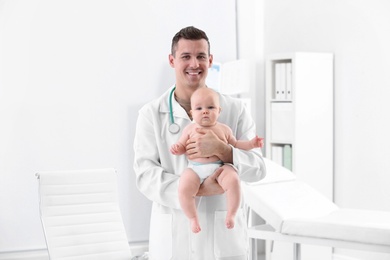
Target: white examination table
(295, 212)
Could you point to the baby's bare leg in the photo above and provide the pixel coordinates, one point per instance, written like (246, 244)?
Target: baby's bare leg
(188, 187)
(229, 181)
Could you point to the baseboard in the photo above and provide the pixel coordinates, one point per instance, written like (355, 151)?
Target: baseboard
(38, 254)
(137, 249)
(342, 257)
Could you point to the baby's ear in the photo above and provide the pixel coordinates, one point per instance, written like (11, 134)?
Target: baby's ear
(220, 110)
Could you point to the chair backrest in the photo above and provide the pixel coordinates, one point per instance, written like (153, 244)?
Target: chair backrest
(80, 215)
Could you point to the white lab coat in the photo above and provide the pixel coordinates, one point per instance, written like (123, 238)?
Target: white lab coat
(157, 176)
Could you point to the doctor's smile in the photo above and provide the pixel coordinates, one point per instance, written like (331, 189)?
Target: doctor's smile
(191, 73)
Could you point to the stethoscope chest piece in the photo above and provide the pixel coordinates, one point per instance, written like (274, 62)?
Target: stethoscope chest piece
(174, 128)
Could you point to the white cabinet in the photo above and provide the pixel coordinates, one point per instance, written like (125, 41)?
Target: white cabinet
(299, 116)
(299, 123)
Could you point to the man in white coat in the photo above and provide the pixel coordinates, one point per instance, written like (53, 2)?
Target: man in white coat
(158, 172)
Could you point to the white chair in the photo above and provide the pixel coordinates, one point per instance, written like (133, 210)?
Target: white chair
(81, 217)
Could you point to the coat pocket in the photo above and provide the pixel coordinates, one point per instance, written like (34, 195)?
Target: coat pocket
(230, 243)
(160, 240)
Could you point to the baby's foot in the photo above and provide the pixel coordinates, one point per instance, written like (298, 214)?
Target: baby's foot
(229, 222)
(195, 227)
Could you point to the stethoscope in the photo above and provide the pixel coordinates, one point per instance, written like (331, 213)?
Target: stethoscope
(173, 127)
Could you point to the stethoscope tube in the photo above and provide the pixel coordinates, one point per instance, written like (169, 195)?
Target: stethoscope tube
(173, 127)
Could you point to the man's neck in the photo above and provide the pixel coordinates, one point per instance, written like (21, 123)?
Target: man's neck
(183, 93)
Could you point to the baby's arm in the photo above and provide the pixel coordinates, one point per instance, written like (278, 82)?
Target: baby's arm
(256, 142)
(177, 149)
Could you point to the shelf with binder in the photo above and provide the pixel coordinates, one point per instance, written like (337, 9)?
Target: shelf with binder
(282, 80)
(282, 154)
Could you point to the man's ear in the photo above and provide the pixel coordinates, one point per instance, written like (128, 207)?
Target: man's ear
(171, 60)
(211, 60)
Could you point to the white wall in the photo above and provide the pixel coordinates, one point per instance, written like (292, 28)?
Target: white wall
(250, 33)
(357, 32)
(73, 75)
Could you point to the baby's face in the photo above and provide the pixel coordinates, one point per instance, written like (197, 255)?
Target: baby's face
(205, 108)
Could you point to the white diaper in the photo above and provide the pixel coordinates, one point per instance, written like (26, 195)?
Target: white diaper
(204, 170)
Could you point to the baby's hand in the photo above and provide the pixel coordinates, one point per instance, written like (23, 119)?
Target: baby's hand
(174, 149)
(258, 141)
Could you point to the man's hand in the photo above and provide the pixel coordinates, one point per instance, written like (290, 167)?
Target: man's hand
(206, 144)
(210, 185)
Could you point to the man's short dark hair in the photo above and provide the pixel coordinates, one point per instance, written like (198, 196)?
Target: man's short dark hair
(189, 33)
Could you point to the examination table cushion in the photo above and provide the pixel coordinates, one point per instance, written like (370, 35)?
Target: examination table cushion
(293, 207)
(277, 202)
(364, 226)
(275, 173)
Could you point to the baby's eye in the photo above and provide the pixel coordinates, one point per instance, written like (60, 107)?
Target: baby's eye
(198, 108)
(211, 107)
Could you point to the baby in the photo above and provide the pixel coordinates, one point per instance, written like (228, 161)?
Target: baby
(205, 110)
